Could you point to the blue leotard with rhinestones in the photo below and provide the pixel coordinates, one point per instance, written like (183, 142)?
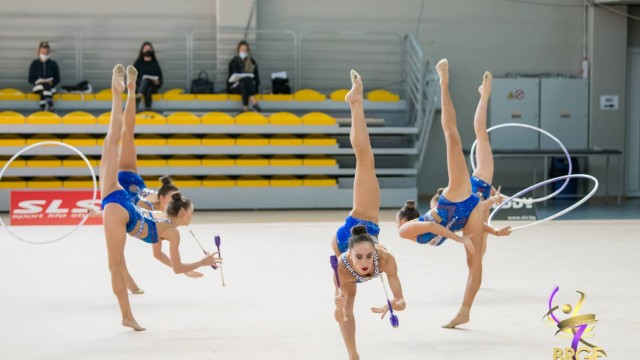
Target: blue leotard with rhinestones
(344, 232)
(135, 186)
(480, 188)
(136, 214)
(454, 217)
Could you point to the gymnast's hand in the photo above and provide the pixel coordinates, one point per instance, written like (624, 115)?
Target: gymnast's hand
(505, 231)
(194, 274)
(211, 259)
(397, 304)
(341, 304)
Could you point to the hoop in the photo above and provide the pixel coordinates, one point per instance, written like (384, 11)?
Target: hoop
(564, 149)
(543, 183)
(93, 177)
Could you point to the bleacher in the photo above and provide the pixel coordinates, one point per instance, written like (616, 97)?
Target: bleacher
(296, 154)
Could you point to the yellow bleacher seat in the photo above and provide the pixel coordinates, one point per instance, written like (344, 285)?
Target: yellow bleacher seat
(319, 160)
(217, 118)
(212, 97)
(44, 183)
(184, 140)
(13, 183)
(33, 97)
(339, 95)
(285, 181)
(11, 118)
(77, 161)
(252, 181)
(150, 118)
(79, 118)
(74, 97)
(251, 118)
(251, 140)
(251, 160)
(42, 137)
(105, 95)
(17, 163)
(12, 140)
(12, 94)
(183, 118)
(319, 180)
(149, 140)
(184, 160)
(152, 182)
(275, 97)
(319, 140)
(151, 161)
(218, 140)
(285, 140)
(80, 140)
(318, 119)
(44, 161)
(309, 95)
(284, 118)
(44, 118)
(79, 182)
(234, 97)
(104, 118)
(218, 160)
(285, 160)
(186, 182)
(218, 181)
(177, 95)
(382, 95)
(100, 141)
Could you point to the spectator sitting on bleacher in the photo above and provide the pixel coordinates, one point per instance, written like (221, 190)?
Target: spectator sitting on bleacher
(44, 76)
(149, 74)
(242, 83)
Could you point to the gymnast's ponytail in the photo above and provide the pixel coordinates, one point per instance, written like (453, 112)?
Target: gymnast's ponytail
(167, 186)
(358, 235)
(177, 203)
(408, 212)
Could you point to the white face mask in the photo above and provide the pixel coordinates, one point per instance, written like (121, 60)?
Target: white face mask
(243, 55)
(44, 57)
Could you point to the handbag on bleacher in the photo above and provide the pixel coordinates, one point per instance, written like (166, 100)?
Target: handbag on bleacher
(202, 84)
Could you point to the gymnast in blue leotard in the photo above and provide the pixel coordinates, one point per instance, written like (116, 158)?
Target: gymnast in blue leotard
(459, 206)
(355, 244)
(121, 217)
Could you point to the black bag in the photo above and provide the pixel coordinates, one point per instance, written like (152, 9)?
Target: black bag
(202, 85)
(280, 86)
(81, 87)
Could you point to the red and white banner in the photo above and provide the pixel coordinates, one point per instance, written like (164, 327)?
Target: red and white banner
(59, 207)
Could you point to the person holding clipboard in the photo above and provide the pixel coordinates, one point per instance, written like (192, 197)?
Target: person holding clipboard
(44, 75)
(149, 74)
(243, 77)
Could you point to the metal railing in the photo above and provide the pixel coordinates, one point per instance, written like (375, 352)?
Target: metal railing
(421, 91)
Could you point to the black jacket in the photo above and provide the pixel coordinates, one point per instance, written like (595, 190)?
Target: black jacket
(44, 70)
(148, 68)
(236, 65)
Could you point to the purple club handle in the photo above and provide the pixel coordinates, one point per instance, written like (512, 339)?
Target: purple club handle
(334, 264)
(217, 241)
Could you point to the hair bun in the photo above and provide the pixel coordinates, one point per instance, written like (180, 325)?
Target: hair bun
(166, 180)
(358, 230)
(410, 204)
(176, 196)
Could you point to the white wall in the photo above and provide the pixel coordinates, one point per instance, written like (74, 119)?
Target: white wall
(495, 35)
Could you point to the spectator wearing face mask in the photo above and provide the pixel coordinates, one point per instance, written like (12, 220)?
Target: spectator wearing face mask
(247, 86)
(44, 76)
(149, 74)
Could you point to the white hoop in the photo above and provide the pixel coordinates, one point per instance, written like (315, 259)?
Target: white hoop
(564, 149)
(543, 183)
(93, 177)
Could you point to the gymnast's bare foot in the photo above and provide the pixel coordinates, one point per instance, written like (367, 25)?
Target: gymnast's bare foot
(132, 76)
(132, 324)
(442, 68)
(485, 88)
(137, 291)
(461, 318)
(355, 95)
(117, 81)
